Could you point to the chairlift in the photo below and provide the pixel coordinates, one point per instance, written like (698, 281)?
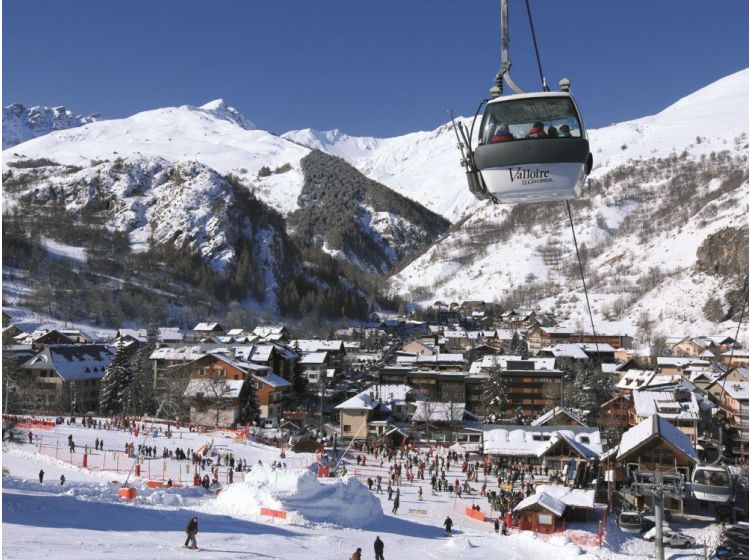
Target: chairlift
(630, 521)
(712, 483)
(532, 147)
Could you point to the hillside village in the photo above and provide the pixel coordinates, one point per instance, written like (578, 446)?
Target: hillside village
(506, 386)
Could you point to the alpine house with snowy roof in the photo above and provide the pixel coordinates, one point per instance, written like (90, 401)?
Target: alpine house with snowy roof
(67, 376)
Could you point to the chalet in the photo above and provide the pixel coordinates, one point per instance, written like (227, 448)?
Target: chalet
(679, 366)
(735, 358)
(518, 318)
(552, 506)
(446, 422)
(655, 445)
(10, 332)
(164, 335)
(565, 450)
(39, 339)
(207, 330)
(558, 417)
(67, 376)
(733, 401)
(612, 417)
(335, 349)
(314, 365)
(540, 337)
(214, 402)
(271, 390)
(680, 408)
(279, 358)
(417, 347)
(435, 362)
(278, 333)
(634, 379)
(373, 412)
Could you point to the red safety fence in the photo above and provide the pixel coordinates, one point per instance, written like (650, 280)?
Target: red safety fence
(35, 424)
(273, 513)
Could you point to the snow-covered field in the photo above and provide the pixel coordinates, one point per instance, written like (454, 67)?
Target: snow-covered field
(328, 518)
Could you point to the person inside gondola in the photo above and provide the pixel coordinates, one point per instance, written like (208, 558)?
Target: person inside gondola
(537, 131)
(552, 132)
(565, 132)
(502, 134)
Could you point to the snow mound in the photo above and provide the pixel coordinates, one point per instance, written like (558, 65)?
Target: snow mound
(460, 543)
(345, 502)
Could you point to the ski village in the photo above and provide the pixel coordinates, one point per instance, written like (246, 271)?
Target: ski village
(510, 337)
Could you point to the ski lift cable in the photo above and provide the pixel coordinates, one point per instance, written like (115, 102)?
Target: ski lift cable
(583, 279)
(536, 48)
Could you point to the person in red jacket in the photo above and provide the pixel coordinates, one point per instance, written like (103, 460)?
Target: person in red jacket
(537, 131)
(502, 134)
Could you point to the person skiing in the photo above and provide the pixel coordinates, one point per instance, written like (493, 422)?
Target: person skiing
(379, 547)
(41, 476)
(419, 494)
(191, 530)
(357, 555)
(448, 524)
(396, 502)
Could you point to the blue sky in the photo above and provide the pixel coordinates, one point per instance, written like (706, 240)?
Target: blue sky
(369, 68)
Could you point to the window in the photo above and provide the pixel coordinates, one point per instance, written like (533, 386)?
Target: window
(519, 116)
(347, 428)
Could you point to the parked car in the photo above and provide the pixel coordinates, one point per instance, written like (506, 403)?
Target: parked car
(726, 551)
(672, 539)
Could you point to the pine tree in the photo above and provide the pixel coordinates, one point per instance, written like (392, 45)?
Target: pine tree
(249, 405)
(299, 381)
(592, 387)
(518, 346)
(142, 386)
(494, 395)
(115, 392)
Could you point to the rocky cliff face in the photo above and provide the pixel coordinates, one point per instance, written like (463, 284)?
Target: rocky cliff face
(724, 255)
(21, 123)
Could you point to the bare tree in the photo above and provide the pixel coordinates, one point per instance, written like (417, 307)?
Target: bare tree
(216, 394)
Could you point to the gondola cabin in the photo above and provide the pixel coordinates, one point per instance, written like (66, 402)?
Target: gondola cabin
(533, 148)
(630, 521)
(712, 483)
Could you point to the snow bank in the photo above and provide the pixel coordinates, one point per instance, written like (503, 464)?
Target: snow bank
(345, 502)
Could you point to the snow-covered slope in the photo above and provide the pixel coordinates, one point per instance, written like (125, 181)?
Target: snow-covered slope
(21, 123)
(214, 135)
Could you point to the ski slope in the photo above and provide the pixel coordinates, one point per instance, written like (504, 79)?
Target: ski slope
(84, 517)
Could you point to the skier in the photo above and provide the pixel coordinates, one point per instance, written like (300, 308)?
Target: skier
(357, 555)
(390, 492)
(419, 494)
(31, 436)
(396, 502)
(191, 530)
(448, 524)
(41, 476)
(379, 546)
(62, 479)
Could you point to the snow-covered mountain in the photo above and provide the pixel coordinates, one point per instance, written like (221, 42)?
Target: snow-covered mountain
(21, 123)
(661, 186)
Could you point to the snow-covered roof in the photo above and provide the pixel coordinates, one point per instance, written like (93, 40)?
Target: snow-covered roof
(547, 416)
(573, 497)
(567, 351)
(163, 334)
(737, 389)
(368, 399)
(491, 361)
(680, 362)
(74, 362)
(214, 388)
(652, 428)
(431, 411)
(550, 503)
(260, 353)
(183, 353)
(664, 403)
(434, 359)
(635, 378)
(203, 327)
(307, 346)
(314, 358)
(527, 441)
(272, 380)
